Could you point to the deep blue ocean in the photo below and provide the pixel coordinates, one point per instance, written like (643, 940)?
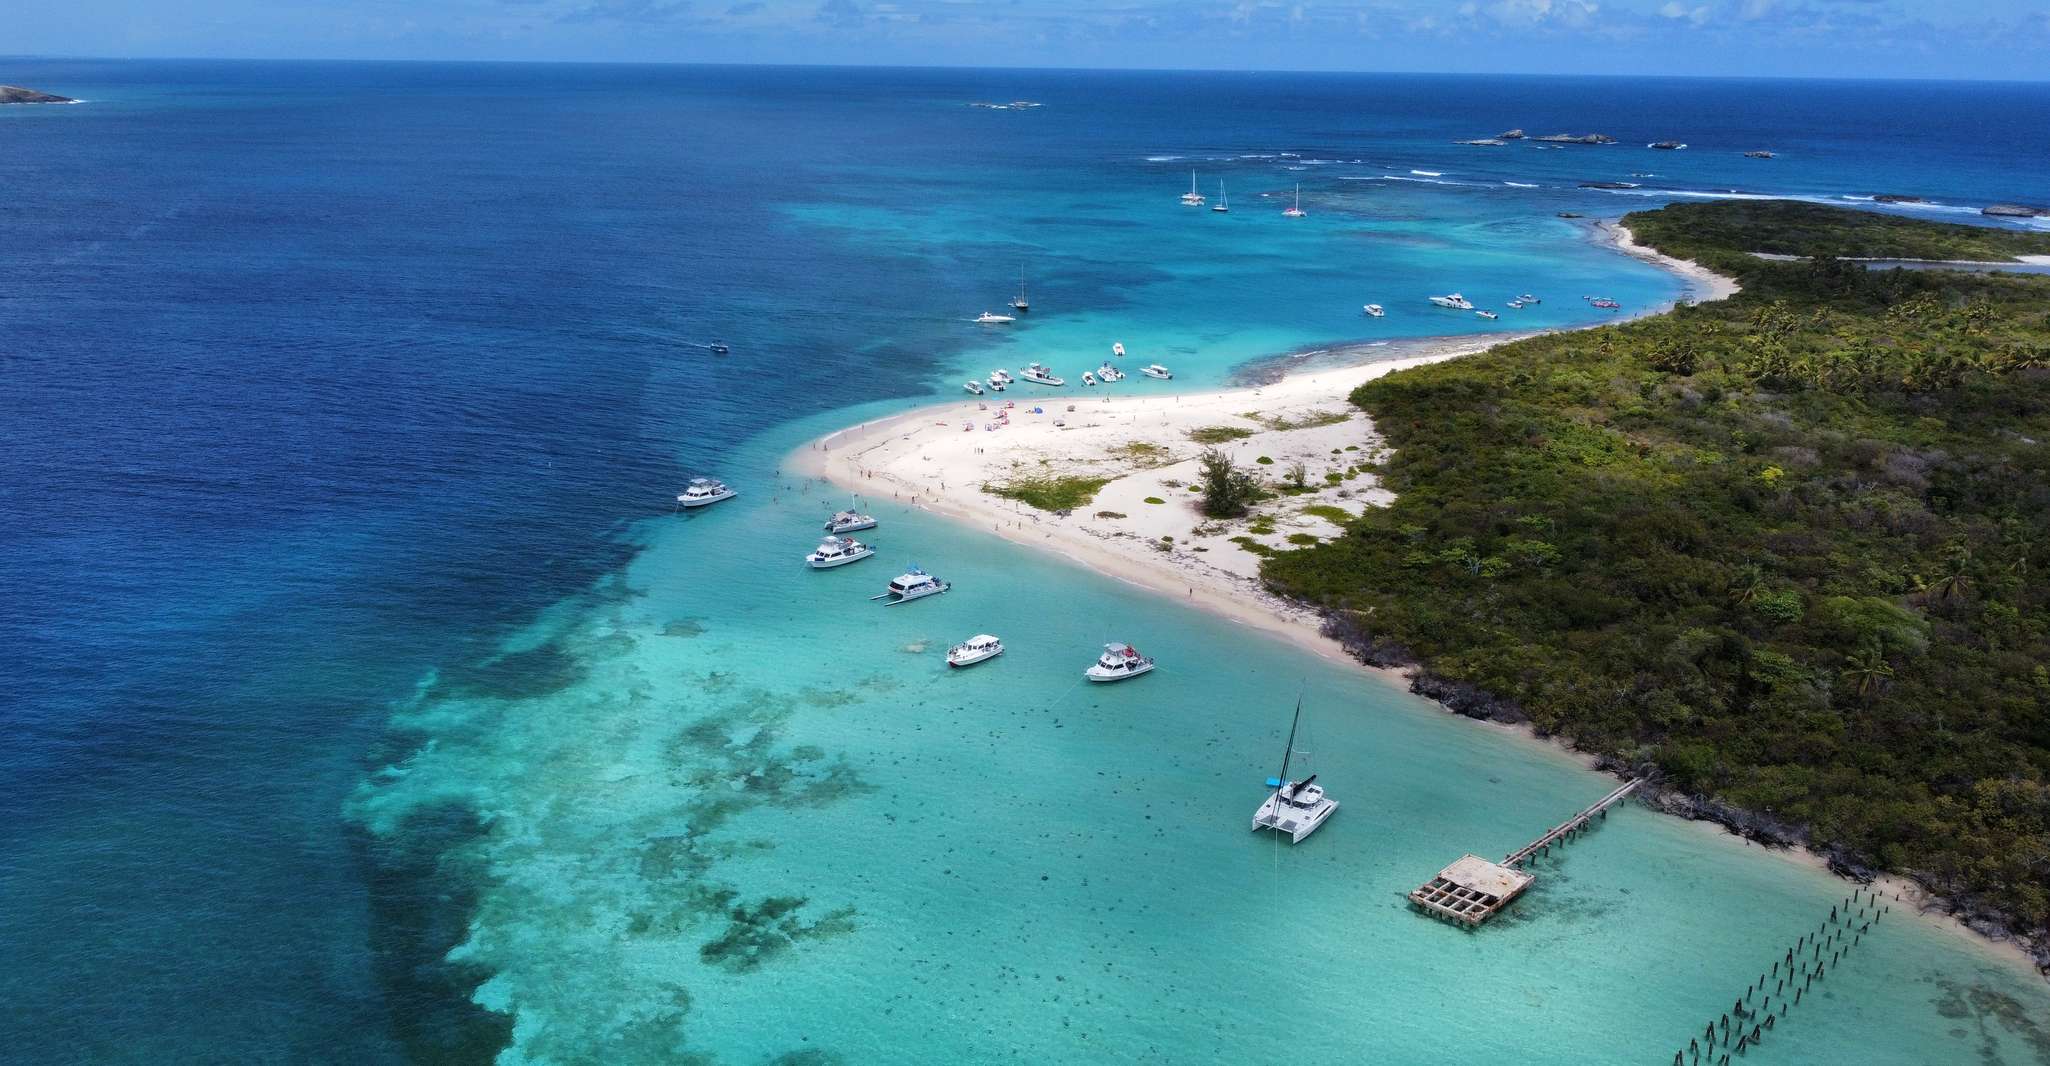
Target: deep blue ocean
(322, 385)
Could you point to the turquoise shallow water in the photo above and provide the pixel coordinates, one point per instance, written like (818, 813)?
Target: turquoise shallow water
(1001, 864)
(366, 703)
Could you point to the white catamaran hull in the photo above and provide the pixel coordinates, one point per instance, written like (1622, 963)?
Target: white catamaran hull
(1296, 823)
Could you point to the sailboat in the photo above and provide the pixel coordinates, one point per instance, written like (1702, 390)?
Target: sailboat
(1222, 205)
(1297, 210)
(1021, 304)
(1297, 808)
(1192, 198)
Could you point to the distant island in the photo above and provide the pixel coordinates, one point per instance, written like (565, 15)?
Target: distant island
(15, 94)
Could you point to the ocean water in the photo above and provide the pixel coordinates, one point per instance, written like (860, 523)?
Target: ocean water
(367, 702)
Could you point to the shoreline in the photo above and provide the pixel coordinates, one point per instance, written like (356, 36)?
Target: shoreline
(933, 458)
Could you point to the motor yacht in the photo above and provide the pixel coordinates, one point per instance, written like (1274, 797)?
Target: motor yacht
(1374, 310)
(1038, 374)
(704, 492)
(1157, 371)
(838, 551)
(1453, 301)
(979, 648)
(988, 319)
(912, 584)
(1117, 663)
(1489, 315)
(1294, 807)
(848, 521)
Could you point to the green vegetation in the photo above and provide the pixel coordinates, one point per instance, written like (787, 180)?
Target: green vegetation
(1050, 493)
(1301, 538)
(1218, 434)
(1338, 515)
(1145, 453)
(1154, 499)
(1312, 420)
(1788, 551)
(1228, 491)
(1110, 514)
(1255, 547)
(1265, 460)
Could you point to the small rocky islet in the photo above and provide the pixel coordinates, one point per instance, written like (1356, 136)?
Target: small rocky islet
(15, 94)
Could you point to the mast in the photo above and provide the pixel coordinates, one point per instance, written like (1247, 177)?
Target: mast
(1289, 751)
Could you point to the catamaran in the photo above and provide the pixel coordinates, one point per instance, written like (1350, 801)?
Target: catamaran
(1297, 210)
(1192, 198)
(1157, 371)
(1294, 807)
(1038, 374)
(1453, 301)
(848, 521)
(975, 649)
(838, 551)
(704, 492)
(912, 584)
(1222, 205)
(1118, 663)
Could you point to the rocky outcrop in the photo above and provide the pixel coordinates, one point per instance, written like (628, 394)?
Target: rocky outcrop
(1576, 138)
(2012, 211)
(1510, 135)
(1608, 185)
(15, 94)
(1487, 142)
(1896, 198)
(1760, 154)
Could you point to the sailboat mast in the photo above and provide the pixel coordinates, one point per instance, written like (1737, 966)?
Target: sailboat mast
(1289, 751)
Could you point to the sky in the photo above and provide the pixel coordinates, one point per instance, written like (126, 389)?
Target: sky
(1987, 39)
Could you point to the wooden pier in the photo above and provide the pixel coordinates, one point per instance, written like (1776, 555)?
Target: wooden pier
(1473, 890)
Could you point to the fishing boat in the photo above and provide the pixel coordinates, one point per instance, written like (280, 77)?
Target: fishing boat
(1375, 310)
(1038, 374)
(1157, 371)
(979, 648)
(1107, 372)
(995, 384)
(1297, 808)
(838, 551)
(912, 584)
(1454, 301)
(1088, 378)
(988, 319)
(1516, 304)
(1000, 376)
(1222, 205)
(1529, 299)
(1192, 198)
(848, 521)
(704, 492)
(1119, 662)
(1021, 304)
(973, 386)
(1489, 315)
(1296, 211)
(1117, 348)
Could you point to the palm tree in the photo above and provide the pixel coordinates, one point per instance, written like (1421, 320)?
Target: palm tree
(1867, 670)
(1747, 585)
(1954, 580)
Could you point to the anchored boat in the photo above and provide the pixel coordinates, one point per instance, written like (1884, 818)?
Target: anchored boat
(1038, 374)
(1157, 371)
(1294, 807)
(912, 584)
(1374, 310)
(1119, 662)
(979, 648)
(838, 551)
(1454, 301)
(704, 492)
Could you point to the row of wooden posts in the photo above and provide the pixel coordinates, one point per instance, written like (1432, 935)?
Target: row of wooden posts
(1807, 961)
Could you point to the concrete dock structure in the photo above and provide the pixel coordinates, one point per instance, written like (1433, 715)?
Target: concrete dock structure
(1473, 889)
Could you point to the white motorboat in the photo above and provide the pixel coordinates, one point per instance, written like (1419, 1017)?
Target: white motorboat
(1516, 304)
(912, 584)
(1489, 315)
(1294, 807)
(995, 385)
(1038, 374)
(1297, 210)
(1157, 371)
(979, 648)
(1118, 349)
(1529, 299)
(1192, 198)
(1088, 378)
(838, 551)
(848, 521)
(973, 386)
(1453, 301)
(1222, 205)
(1118, 663)
(988, 319)
(1000, 376)
(1375, 310)
(1107, 372)
(704, 492)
